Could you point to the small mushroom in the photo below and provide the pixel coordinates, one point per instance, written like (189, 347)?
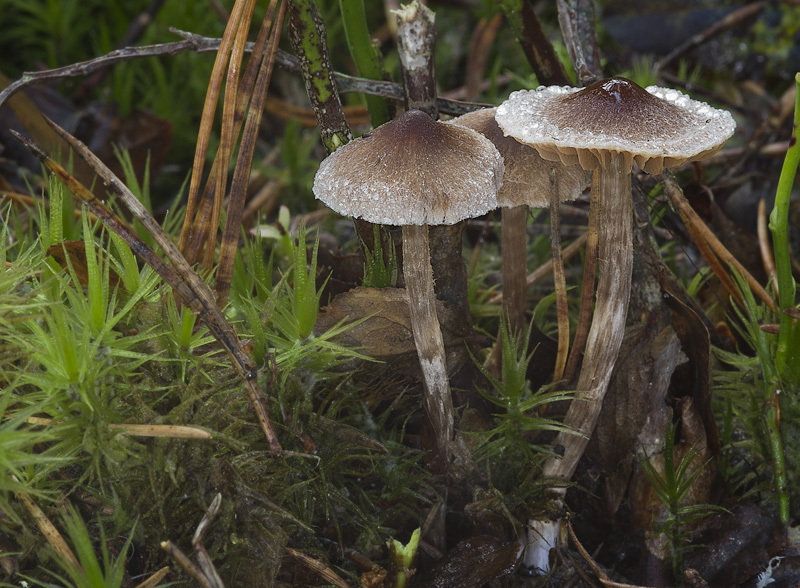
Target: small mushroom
(528, 181)
(606, 127)
(414, 171)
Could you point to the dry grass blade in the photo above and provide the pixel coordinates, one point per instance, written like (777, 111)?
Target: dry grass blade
(48, 529)
(166, 431)
(704, 238)
(587, 293)
(228, 131)
(155, 579)
(318, 567)
(209, 108)
(545, 269)
(188, 565)
(244, 163)
(764, 245)
(560, 282)
(598, 571)
(180, 276)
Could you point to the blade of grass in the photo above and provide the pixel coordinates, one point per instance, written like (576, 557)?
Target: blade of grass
(48, 529)
(209, 108)
(244, 162)
(180, 276)
(789, 334)
(365, 55)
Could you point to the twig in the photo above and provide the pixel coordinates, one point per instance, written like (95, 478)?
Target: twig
(188, 565)
(691, 218)
(576, 18)
(764, 245)
(206, 573)
(206, 564)
(317, 567)
(598, 571)
(155, 579)
(544, 269)
(200, 44)
(48, 529)
(746, 13)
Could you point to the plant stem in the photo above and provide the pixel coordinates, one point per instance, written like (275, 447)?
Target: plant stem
(418, 275)
(776, 449)
(560, 283)
(365, 56)
(513, 244)
(789, 334)
(538, 49)
(309, 41)
(416, 45)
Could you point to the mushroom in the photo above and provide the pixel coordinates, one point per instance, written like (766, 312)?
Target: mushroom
(605, 127)
(528, 181)
(414, 171)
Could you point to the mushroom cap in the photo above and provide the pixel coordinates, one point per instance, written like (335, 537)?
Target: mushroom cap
(412, 170)
(526, 179)
(656, 127)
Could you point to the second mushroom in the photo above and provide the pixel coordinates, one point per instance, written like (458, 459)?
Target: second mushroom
(605, 128)
(414, 171)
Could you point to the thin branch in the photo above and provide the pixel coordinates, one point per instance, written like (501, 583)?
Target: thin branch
(200, 44)
(746, 13)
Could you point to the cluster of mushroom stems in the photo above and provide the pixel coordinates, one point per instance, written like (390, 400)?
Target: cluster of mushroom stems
(536, 149)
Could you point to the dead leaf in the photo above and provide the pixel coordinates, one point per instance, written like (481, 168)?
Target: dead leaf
(635, 414)
(473, 562)
(75, 252)
(737, 546)
(385, 333)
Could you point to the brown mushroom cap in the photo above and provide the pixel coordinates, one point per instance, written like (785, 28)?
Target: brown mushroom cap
(656, 127)
(412, 170)
(526, 179)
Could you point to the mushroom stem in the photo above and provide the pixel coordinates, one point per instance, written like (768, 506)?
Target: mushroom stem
(418, 275)
(612, 186)
(611, 190)
(515, 269)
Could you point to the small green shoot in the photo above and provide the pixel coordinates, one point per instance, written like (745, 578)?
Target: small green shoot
(672, 489)
(788, 352)
(765, 345)
(402, 558)
(379, 273)
(512, 395)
